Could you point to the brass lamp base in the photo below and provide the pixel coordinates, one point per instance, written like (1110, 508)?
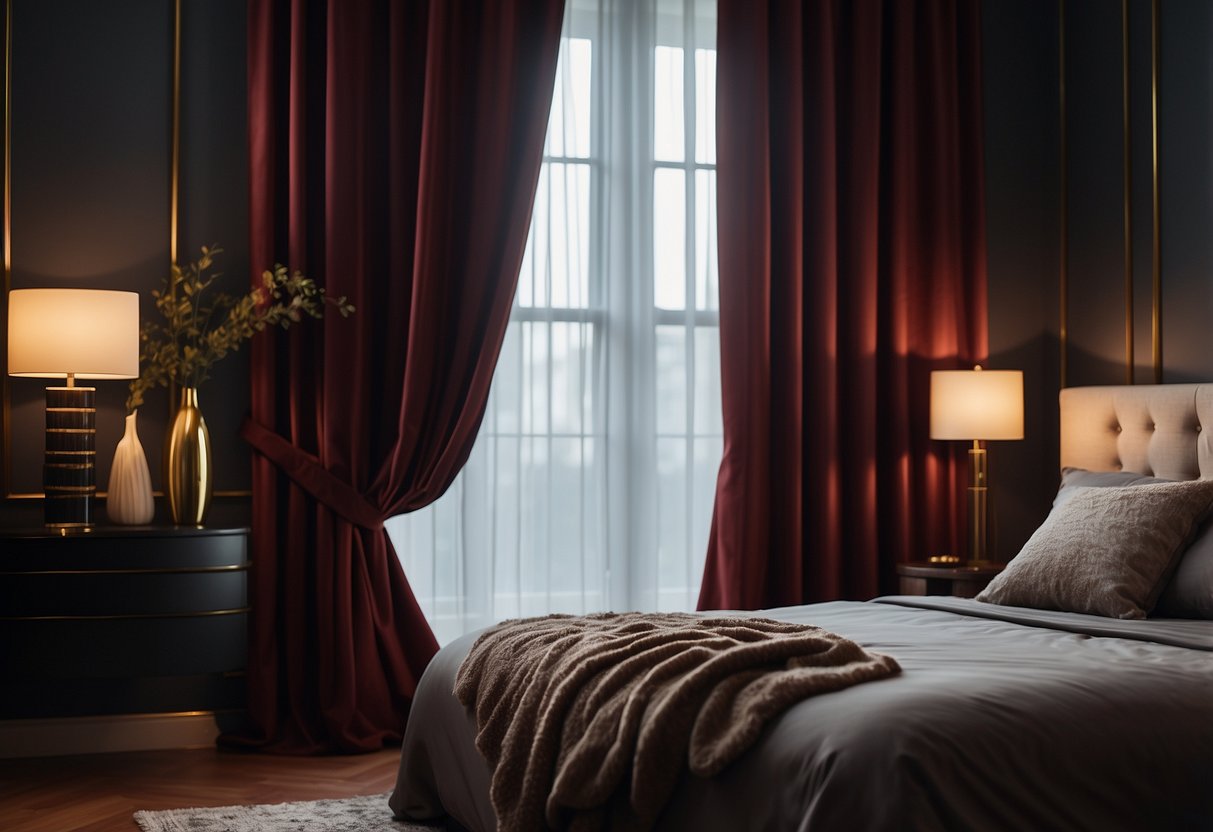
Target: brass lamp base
(977, 506)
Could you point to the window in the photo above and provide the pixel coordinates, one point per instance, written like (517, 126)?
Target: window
(591, 484)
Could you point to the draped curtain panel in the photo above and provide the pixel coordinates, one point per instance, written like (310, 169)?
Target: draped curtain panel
(852, 262)
(394, 151)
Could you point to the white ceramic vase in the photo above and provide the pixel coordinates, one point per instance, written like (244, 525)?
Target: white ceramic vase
(129, 501)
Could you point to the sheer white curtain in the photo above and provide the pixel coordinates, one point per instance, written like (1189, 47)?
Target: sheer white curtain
(591, 484)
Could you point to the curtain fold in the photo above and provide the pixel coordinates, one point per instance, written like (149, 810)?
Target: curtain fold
(394, 151)
(852, 262)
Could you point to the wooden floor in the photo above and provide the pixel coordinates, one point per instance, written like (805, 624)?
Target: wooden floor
(100, 792)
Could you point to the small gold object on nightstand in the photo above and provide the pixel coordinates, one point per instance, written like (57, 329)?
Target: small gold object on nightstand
(931, 577)
(943, 559)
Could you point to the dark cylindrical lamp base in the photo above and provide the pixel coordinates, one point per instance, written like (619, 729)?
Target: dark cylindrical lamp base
(69, 472)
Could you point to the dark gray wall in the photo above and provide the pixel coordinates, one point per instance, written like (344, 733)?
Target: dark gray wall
(1020, 65)
(1186, 165)
(90, 143)
(1023, 214)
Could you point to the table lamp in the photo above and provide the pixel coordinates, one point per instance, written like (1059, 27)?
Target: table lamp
(71, 334)
(979, 405)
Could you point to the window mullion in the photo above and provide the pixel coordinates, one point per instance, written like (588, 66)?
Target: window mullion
(546, 438)
(602, 168)
(642, 454)
(525, 423)
(689, 227)
(490, 614)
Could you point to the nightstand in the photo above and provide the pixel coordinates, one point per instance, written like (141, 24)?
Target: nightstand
(921, 578)
(122, 620)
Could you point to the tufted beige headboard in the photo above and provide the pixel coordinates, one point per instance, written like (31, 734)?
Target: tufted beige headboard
(1154, 429)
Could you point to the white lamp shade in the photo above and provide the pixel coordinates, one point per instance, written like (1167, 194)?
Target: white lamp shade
(90, 333)
(977, 404)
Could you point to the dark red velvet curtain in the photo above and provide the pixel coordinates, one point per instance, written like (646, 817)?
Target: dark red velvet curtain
(852, 262)
(395, 147)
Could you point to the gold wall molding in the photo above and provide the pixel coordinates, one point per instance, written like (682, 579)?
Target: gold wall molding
(7, 222)
(170, 570)
(175, 169)
(1126, 112)
(1063, 265)
(1156, 331)
(134, 616)
(1156, 254)
(227, 494)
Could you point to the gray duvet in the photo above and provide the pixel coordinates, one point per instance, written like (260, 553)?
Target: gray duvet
(1002, 718)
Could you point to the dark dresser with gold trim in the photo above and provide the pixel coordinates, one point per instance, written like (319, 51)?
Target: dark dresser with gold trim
(122, 620)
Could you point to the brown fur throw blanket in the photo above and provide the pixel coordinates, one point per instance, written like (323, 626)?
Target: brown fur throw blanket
(588, 722)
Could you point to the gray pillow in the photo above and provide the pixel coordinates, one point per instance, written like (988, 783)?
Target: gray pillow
(1104, 551)
(1073, 479)
(1189, 593)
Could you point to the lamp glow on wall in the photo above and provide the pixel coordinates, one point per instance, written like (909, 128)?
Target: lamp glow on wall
(72, 334)
(979, 405)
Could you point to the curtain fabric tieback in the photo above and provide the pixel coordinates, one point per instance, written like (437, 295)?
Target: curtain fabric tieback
(312, 477)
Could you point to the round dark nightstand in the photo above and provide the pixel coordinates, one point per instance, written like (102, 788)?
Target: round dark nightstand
(963, 581)
(122, 619)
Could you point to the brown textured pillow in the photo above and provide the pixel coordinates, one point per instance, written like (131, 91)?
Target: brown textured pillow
(1189, 592)
(1105, 551)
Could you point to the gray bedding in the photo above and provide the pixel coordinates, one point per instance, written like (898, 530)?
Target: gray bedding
(1003, 718)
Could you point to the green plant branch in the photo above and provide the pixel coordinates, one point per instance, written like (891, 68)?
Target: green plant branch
(182, 349)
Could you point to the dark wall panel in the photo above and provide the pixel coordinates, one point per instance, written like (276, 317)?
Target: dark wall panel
(1023, 220)
(1096, 192)
(90, 174)
(1021, 124)
(1142, 198)
(1186, 163)
(91, 106)
(214, 197)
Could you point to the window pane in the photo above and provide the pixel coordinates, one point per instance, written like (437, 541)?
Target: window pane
(668, 139)
(707, 381)
(572, 363)
(569, 235)
(569, 121)
(671, 380)
(535, 548)
(705, 106)
(556, 261)
(671, 524)
(533, 276)
(506, 519)
(707, 266)
(536, 394)
(567, 563)
(703, 498)
(524, 528)
(424, 542)
(669, 238)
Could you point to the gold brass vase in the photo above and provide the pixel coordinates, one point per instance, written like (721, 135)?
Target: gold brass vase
(188, 477)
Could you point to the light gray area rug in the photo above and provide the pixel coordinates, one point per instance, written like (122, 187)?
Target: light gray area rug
(353, 814)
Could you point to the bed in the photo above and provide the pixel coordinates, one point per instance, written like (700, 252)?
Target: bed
(1003, 717)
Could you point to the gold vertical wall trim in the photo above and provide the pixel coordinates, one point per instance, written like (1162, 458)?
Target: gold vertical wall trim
(6, 463)
(1063, 274)
(1128, 181)
(8, 167)
(175, 173)
(1156, 260)
(176, 151)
